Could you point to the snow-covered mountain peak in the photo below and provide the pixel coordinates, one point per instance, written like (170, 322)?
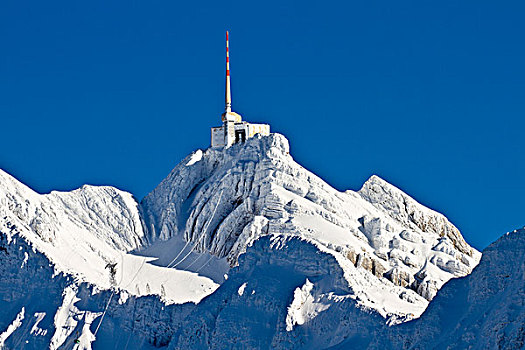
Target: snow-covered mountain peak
(309, 265)
(222, 200)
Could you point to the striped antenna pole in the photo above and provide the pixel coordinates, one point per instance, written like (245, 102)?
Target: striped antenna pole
(228, 92)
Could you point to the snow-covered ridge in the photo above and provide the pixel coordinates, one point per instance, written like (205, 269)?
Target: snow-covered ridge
(59, 223)
(285, 293)
(90, 233)
(217, 203)
(406, 210)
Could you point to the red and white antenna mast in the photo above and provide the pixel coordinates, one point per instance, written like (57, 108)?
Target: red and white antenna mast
(228, 108)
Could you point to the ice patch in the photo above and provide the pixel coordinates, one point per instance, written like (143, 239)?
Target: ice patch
(35, 330)
(17, 322)
(304, 306)
(240, 291)
(26, 256)
(195, 157)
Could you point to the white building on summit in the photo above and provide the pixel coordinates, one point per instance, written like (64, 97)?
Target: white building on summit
(233, 128)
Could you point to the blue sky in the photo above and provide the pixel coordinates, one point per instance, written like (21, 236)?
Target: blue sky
(428, 95)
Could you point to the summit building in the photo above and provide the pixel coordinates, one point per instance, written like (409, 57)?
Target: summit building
(233, 128)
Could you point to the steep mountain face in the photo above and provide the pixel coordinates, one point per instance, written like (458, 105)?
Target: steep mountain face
(301, 264)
